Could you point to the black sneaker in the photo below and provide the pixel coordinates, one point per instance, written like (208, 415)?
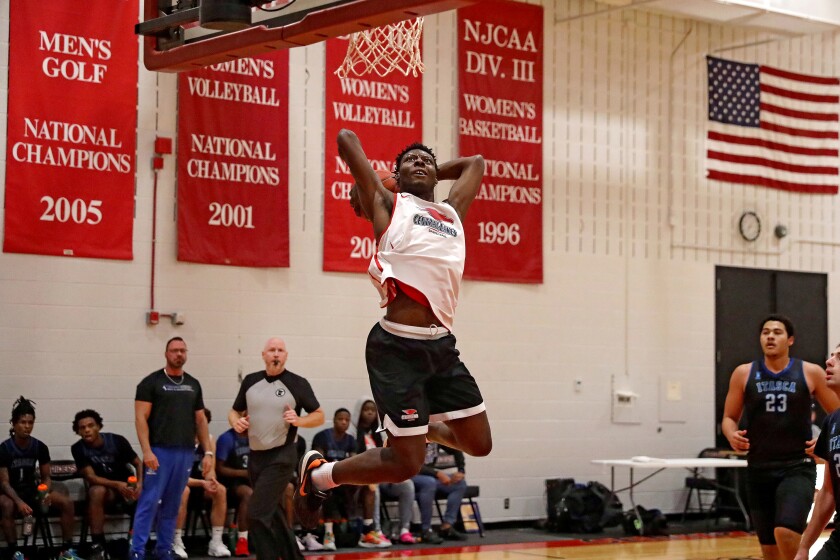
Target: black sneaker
(308, 499)
(97, 553)
(451, 534)
(430, 537)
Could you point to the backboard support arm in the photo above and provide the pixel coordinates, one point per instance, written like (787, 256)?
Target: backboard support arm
(165, 48)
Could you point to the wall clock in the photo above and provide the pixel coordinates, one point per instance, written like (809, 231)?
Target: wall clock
(749, 226)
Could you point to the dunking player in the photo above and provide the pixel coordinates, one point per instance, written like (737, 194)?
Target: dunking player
(828, 498)
(421, 387)
(774, 395)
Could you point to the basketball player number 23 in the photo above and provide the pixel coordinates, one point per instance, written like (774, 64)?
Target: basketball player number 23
(775, 403)
(499, 233)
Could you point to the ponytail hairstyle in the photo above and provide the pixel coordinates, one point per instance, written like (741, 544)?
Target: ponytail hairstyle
(22, 407)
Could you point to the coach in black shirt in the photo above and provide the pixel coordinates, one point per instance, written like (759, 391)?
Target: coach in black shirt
(169, 417)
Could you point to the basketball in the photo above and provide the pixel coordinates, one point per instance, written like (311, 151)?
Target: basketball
(388, 180)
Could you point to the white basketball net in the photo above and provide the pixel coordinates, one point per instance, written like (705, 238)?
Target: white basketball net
(382, 50)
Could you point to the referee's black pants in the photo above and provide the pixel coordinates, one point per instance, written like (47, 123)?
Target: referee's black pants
(270, 472)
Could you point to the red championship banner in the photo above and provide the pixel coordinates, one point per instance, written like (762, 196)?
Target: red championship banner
(233, 165)
(386, 114)
(500, 72)
(71, 133)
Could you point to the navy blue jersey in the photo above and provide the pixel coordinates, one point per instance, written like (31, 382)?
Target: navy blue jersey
(334, 450)
(23, 464)
(110, 461)
(828, 448)
(777, 414)
(198, 458)
(232, 450)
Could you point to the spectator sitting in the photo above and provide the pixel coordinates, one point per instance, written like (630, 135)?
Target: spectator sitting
(197, 491)
(336, 444)
(103, 460)
(19, 456)
(232, 453)
(367, 437)
(442, 471)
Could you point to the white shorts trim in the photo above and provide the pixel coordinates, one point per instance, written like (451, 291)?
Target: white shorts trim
(404, 432)
(389, 425)
(455, 414)
(433, 332)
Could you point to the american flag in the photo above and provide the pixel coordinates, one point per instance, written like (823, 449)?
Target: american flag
(772, 128)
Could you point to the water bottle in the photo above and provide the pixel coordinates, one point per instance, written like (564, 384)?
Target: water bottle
(43, 492)
(28, 523)
(132, 485)
(233, 536)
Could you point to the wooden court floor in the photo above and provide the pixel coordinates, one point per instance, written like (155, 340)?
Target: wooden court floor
(711, 546)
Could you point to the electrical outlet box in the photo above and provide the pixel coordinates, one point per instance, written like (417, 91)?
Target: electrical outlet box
(178, 318)
(507, 503)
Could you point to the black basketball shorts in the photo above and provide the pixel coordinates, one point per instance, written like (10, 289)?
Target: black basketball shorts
(780, 497)
(417, 377)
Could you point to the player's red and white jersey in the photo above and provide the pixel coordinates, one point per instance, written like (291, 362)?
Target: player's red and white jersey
(423, 248)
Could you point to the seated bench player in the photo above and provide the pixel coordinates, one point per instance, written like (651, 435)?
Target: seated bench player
(198, 491)
(24, 463)
(232, 452)
(103, 459)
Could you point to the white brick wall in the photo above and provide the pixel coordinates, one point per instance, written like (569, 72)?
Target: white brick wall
(632, 234)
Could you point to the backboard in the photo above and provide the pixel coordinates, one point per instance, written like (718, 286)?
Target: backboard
(174, 41)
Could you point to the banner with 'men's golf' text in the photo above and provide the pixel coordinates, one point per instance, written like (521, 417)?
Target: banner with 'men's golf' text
(71, 131)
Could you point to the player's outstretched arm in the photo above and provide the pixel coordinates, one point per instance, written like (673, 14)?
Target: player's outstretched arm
(468, 173)
(373, 197)
(823, 510)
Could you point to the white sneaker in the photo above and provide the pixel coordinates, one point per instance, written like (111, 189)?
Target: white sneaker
(329, 541)
(384, 541)
(300, 543)
(179, 550)
(218, 549)
(310, 541)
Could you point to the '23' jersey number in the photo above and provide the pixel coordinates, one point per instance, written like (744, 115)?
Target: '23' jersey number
(775, 402)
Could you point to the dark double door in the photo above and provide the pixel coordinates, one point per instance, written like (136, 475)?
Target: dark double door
(743, 297)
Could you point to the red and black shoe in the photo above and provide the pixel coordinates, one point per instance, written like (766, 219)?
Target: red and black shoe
(308, 499)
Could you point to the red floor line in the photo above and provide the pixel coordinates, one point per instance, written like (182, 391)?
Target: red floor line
(406, 552)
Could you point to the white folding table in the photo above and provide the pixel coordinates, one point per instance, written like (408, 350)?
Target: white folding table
(658, 465)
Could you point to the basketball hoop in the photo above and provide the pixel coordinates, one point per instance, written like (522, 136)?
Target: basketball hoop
(382, 50)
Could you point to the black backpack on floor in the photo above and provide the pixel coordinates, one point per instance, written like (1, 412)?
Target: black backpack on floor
(654, 523)
(584, 508)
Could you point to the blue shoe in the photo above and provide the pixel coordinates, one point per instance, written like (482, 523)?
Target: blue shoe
(168, 555)
(69, 554)
(18, 555)
(308, 499)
